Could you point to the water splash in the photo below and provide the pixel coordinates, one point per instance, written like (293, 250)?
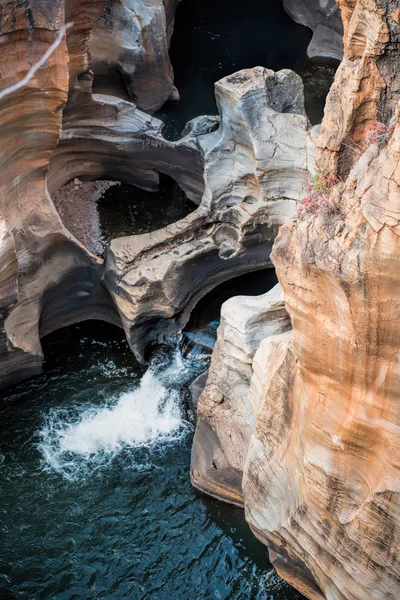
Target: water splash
(80, 440)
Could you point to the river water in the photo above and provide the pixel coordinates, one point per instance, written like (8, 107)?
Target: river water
(96, 500)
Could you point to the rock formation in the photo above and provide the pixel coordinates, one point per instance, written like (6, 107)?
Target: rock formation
(226, 418)
(321, 447)
(41, 261)
(305, 429)
(323, 17)
(254, 168)
(367, 83)
(321, 485)
(129, 45)
(50, 278)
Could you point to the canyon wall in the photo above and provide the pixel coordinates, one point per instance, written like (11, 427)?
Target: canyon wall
(129, 45)
(58, 127)
(41, 261)
(317, 460)
(298, 420)
(366, 86)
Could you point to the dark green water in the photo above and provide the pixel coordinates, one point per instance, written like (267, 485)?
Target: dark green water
(127, 210)
(213, 39)
(96, 498)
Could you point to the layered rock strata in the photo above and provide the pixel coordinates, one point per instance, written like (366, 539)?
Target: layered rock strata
(320, 482)
(226, 417)
(367, 84)
(49, 277)
(244, 175)
(254, 168)
(105, 137)
(130, 48)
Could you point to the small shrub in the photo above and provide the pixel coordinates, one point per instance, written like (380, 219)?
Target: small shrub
(378, 133)
(317, 197)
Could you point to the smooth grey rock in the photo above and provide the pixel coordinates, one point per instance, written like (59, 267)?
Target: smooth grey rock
(225, 407)
(129, 46)
(324, 18)
(255, 167)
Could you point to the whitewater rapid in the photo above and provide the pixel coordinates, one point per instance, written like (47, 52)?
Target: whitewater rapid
(84, 439)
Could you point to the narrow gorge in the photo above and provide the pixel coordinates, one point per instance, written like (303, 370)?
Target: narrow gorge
(199, 226)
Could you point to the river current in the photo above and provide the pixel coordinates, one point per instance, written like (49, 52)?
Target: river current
(96, 500)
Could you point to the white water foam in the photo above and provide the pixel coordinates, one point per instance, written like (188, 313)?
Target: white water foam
(148, 415)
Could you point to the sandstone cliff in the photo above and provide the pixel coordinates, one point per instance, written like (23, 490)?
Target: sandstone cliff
(321, 444)
(41, 259)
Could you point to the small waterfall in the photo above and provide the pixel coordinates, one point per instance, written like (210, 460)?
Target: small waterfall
(76, 442)
(199, 344)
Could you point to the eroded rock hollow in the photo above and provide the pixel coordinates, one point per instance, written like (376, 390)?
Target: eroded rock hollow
(298, 421)
(51, 278)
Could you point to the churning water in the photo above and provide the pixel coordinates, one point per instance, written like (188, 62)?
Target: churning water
(83, 439)
(96, 501)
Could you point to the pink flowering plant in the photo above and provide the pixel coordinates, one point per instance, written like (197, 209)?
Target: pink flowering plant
(378, 133)
(318, 197)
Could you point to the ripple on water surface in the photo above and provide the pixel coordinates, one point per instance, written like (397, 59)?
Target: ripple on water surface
(94, 509)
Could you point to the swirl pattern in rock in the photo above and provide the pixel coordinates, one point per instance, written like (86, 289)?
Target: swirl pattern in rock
(320, 481)
(254, 168)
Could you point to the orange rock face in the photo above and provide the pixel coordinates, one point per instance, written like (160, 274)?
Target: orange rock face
(48, 279)
(48, 258)
(321, 480)
(366, 85)
(323, 491)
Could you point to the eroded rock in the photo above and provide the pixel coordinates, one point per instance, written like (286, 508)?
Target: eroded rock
(323, 17)
(320, 479)
(327, 479)
(367, 84)
(254, 170)
(226, 415)
(129, 46)
(58, 280)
